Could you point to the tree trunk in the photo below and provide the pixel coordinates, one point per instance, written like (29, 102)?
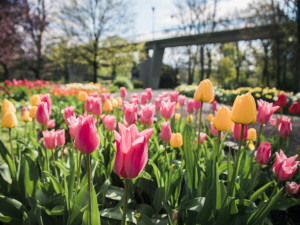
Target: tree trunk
(190, 71)
(238, 63)
(297, 63)
(266, 65)
(95, 62)
(209, 62)
(201, 62)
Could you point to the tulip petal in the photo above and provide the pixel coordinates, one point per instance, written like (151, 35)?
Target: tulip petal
(147, 133)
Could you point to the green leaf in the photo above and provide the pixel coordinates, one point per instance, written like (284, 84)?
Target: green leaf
(5, 173)
(11, 211)
(256, 194)
(56, 185)
(195, 204)
(7, 158)
(95, 209)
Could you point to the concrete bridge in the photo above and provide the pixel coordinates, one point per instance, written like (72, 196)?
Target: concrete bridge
(151, 68)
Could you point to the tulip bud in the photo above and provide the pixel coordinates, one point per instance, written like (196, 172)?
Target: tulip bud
(149, 93)
(32, 111)
(244, 109)
(222, 119)
(295, 108)
(189, 118)
(97, 107)
(25, 117)
(177, 116)
(144, 98)
(9, 120)
(107, 106)
(213, 130)
(130, 113)
(210, 117)
(42, 114)
(157, 104)
(236, 130)
(35, 100)
(285, 127)
(292, 187)
(265, 111)
(174, 96)
(263, 153)
(284, 168)
(190, 106)
(202, 137)
(166, 132)
(50, 141)
(60, 137)
(51, 123)
(282, 100)
(89, 104)
(176, 140)
(197, 105)
(119, 100)
(46, 98)
(181, 100)
(82, 96)
(204, 92)
(214, 105)
(123, 92)
(68, 112)
(167, 109)
(251, 135)
(109, 122)
(7, 106)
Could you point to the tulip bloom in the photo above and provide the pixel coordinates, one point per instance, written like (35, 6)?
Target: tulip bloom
(282, 100)
(7, 106)
(109, 122)
(284, 168)
(60, 137)
(82, 96)
(42, 114)
(147, 111)
(144, 98)
(107, 106)
(157, 104)
(86, 138)
(89, 104)
(50, 141)
(265, 111)
(177, 116)
(244, 109)
(32, 111)
(181, 100)
(222, 120)
(236, 130)
(130, 113)
(68, 112)
(97, 107)
(210, 117)
(263, 153)
(214, 105)
(132, 151)
(9, 120)
(174, 96)
(202, 137)
(204, 92)
(166, 132)
(197, 105)
(46, 98)
(176, 140)
(213, 130)
(73, 124)
(35, 100)
(51, 123)
(149, 93)
(167, 109)
(190, 106)
(251, 135)
(295, 108)
(123, 92)
(292, 187)
(285, 127)
(26, 118)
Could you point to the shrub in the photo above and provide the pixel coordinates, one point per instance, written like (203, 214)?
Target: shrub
(123, 82)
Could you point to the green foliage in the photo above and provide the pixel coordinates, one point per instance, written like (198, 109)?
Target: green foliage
(123, 82)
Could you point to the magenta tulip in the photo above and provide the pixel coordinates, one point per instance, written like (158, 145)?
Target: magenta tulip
(213, 130)
(236, 130)
(167, 109)
(197, 105)
(174, 96)
(97, 107)
(130, 113)
(103, 97)
(42, 113)
(46, 98)
(166, 132)
(265, 111)
(50, 141)
(51, 123)
(68, 112)
(292, 187)
(89, 104)
(284, 168)
(87, 138)
(144, 98)
(190, 106)
(95, 94)
(109, 122)
(149, 93)
(214, 105)
(73, 124)
(60, 137)
(132, 150)
(202, 138)
(181, 100)
(24, 110)
(123, 92)
(263, 153)
(157, 104)
(285, 127)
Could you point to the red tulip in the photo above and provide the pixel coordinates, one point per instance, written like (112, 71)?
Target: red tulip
(285, 127)
(123, 92)
(166, 132)
(263, 153)
(284, 168)
(87, 138)
(132, 151)
(109, 122)
(292, 187)
(295, 108)
(50, 141)
(190, 106)
(236, 130)
(60, 137)
(265, 111)
(68, 112)
(181, 100)
(167, 109)
(42, 113)
(282, 100)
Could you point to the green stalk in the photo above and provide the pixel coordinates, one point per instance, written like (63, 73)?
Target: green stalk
(199, 128)
(288, 146)
(166, 154)
(258, 136)
(196, 119)
(44, 128)
(88, 163)
(256, 176)
(12, 151)
(125, 201)
(218, 145)
(25, 130)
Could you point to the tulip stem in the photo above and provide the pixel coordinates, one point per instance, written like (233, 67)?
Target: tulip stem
(25, 131)
(288, 146)
(166, 154)
(125, 201)
(88, 163)
(12, 151)
(199, 128)
(78, 172)
(218, 145)
(256, 176)
(258, 136)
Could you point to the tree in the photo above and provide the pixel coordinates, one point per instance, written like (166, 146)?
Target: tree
(88, 21)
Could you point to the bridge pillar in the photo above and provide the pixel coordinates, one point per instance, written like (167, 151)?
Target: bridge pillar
(151, 68)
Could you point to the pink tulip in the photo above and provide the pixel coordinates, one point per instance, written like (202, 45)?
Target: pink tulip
(50, 141)
(145, 121)
(51, 123)
(130, 113)
(213, 130)
(236, 130)
(73, 124)
(263, 153)
(214, 105)
(95, 94)
(149, 93)
(109, 122)
(144, 98)
(282, 100)
(60, 137)
(46, 98)
(68, 112)
(103, 97)
(181, 100)
(190, 106)
(265, 111)
(167, 109)
(42, 113)
(295, 108)
(164, 94)
(134, 98)
(197, 105)
(292, 187)
(157, 104)
(166, 132)
(202, 137)
(174, 96)
(285, 127)
(147, 111)
(97, 107)
(87, 138)
(123, 92)
(132, 151)
(24, 110)
(284, 168)
(89, 104)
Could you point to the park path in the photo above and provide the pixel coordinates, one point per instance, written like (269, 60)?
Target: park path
(268, 130)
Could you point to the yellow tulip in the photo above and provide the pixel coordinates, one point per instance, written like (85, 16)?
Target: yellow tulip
(177, 106)
(119, 100)
(107, 106)
(205, 91)
(176, 140)
(32, 111)
(251, 146)
(26, 118)
(9, 120)
(82, 95)
(189, 118)
(7, 106)
(251, 135)
(35, 100)
(114, 102)
(177, 116)
(222, 120)
(244, 109)
(210, 117)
